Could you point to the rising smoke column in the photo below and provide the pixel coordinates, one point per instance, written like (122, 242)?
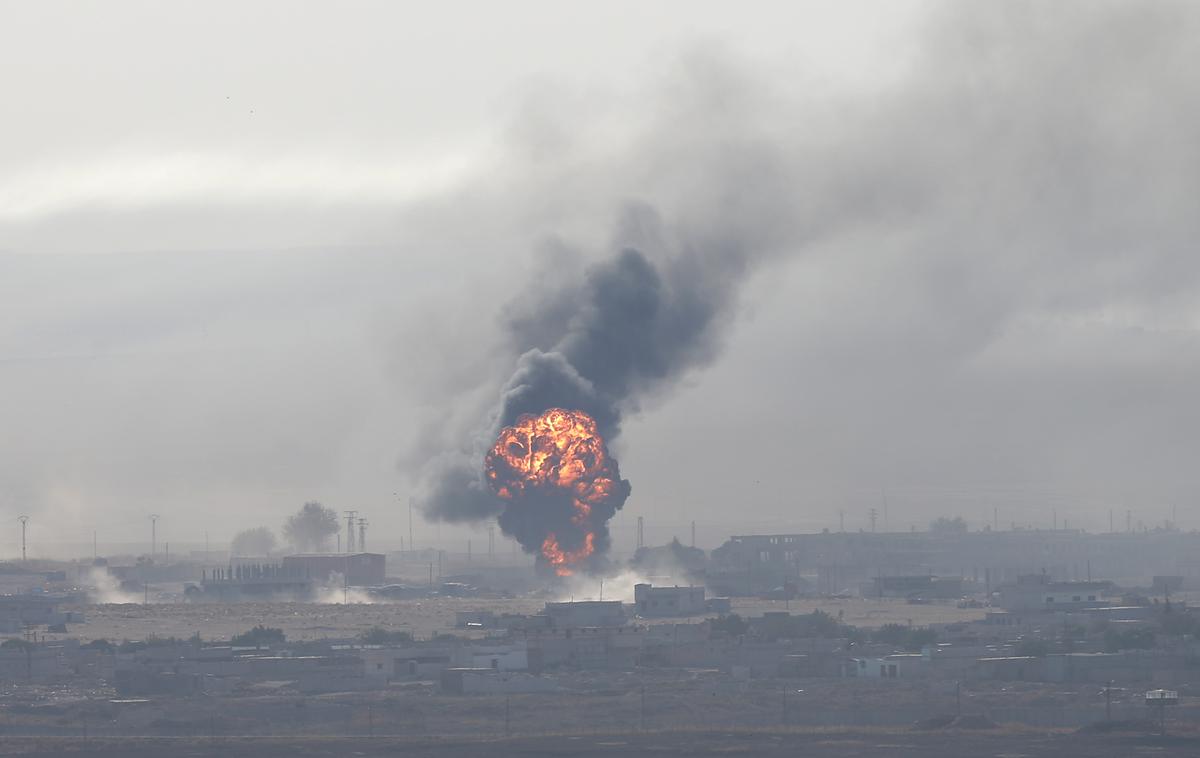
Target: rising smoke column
(593, 348)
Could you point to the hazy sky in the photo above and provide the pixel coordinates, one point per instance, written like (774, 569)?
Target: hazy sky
(258, 253)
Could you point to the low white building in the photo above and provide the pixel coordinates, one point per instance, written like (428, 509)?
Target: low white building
(1037, 592)
(427, 662)
(668, 601)
(896, 666)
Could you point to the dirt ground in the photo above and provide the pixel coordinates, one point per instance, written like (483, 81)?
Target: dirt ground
(310, 621)
(812, 744)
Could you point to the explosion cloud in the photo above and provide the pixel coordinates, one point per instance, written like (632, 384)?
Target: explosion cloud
(590, 350)
(561, 485)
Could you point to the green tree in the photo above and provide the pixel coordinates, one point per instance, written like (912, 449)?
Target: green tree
(377, 635)
(257, 541)
(310, 528)
(259, 636)
(730, 625)
(16, 643)
(1116, 640)
(944, 525)
(1033, 647)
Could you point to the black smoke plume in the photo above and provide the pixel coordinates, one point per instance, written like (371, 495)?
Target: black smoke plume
(628, 328)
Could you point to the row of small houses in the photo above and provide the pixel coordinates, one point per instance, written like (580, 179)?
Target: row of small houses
(517, 665)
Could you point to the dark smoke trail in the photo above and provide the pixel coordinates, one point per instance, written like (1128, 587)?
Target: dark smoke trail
(628, 329)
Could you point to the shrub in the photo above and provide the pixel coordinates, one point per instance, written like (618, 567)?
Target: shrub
(259, 636)
(377, 635)
(1033, 647)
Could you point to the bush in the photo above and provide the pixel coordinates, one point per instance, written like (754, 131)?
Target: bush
(259, 636)
(16, 643)
(890, 634)
(1116, 640)
(905, 637)
(1178, 624)
(1033, 647)
(731, 625)
(377, 635)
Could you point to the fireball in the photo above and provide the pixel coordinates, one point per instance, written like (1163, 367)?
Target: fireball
(557, 457)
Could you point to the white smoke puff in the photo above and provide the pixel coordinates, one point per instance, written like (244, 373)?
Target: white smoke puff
(106, 589)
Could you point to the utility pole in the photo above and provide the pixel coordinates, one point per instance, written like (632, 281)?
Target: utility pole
(153, 535)
(411, 545)
(1110, 523)
(640, 534)
(24, 520)
(362, 534)
(350, 530)
(995, 519)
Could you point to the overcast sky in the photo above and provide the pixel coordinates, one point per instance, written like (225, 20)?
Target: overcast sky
(258, 253)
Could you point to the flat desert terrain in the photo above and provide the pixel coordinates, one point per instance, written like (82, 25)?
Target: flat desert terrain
(425, 617)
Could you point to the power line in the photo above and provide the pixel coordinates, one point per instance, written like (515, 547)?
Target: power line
(24, 520)
(350, 530)
(153, 534)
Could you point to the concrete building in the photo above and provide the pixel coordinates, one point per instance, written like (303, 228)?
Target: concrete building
(586, 613)
(408, 662)
(247, 581)
(357, 569)
(895, 666)
(923, 586)
(832, 562)
(582, 648)
(1037, 592)
(486, 681)
(649, 600)
(19, 612)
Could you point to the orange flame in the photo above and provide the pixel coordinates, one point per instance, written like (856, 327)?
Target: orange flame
(562, 559)
(556, 450)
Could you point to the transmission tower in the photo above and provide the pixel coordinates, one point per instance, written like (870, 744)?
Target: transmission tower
(24, 520)
(153, 535)
(874, 514)
(350, 530)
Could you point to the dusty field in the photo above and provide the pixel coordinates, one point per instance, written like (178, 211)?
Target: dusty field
(310, 621)
(814, 744)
